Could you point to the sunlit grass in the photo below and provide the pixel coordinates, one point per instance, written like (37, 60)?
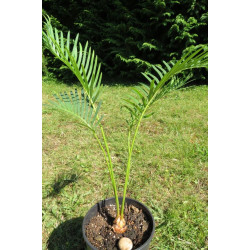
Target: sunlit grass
(168, 173)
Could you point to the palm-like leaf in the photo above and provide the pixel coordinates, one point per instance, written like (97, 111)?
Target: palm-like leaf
(82, 62)
(78, 105)
(162, 82)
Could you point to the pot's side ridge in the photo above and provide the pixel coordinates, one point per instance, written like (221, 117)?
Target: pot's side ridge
(111, 201)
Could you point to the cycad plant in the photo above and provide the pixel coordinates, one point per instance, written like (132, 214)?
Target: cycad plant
(85, 105)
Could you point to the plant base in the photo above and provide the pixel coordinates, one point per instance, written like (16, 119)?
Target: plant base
(97, 225)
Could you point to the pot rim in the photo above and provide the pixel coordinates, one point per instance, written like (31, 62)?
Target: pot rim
(145, 208)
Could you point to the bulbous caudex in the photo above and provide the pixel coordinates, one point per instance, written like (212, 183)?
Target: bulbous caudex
(119, 225)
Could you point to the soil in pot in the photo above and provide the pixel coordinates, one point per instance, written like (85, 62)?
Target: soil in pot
(101, 235)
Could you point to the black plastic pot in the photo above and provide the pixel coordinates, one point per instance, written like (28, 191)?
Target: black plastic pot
(111, 201)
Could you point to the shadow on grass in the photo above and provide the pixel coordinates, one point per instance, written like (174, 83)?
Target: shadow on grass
(67, 236)
(62, 181)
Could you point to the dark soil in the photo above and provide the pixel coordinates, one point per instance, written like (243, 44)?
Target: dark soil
(101, 235)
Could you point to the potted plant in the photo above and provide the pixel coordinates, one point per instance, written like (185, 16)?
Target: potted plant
(121, 215)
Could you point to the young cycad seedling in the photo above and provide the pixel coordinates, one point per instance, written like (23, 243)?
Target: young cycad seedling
(86, 104)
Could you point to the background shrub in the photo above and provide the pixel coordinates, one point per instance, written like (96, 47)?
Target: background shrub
(130, 36)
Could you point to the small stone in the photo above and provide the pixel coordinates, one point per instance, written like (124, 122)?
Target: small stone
(125, 244)
(99, 238)
(144, 226)
(135, 209)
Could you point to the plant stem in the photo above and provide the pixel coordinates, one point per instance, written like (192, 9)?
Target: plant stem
(109, 161)
(111, 174)
(105, 156)
(130, 149)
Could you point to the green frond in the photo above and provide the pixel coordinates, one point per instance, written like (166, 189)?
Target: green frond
(83, 63)
(149, 46)
(77, 105)
(163, 81)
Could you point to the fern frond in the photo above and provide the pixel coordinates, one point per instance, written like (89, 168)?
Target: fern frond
(134, 60)
(149, 46)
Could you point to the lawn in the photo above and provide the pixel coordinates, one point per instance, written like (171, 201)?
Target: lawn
(168, 173)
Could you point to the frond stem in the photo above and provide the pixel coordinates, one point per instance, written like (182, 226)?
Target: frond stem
(130, 149)
(111, 172)
(110, 169)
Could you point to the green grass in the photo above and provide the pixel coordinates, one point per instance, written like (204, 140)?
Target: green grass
(168, 173)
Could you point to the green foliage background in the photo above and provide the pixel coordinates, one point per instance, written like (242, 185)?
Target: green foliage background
(129, 36)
